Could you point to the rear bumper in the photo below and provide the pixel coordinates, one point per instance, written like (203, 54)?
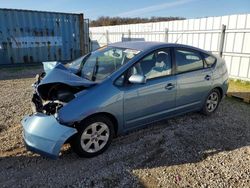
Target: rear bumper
(44, 135)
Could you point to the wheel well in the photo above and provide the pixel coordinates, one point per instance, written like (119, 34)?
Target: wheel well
(108, 115)
(220, 90)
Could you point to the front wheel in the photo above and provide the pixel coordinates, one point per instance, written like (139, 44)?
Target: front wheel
(212, 102)
(94, 137)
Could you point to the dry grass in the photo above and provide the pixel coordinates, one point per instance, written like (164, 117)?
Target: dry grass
(240, 89)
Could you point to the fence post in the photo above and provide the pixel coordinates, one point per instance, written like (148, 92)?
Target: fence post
(129, 35)
(166, 35)
(122, 37)
(90, 41)
(222, 39)
(107, 37)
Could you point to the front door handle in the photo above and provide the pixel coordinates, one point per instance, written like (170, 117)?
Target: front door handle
(207, 77)
(169, 86)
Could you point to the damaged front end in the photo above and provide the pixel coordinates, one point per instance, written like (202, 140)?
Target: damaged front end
(44, 135)
(49, 98)
(56, 87)
(53, 89)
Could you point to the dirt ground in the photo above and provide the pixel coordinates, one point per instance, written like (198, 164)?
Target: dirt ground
(188, 151)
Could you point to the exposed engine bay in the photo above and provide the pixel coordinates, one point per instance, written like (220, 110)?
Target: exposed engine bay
(56, 86)
(49, 98)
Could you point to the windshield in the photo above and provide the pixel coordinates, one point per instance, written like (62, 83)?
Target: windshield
(104, 61)
(75, 65)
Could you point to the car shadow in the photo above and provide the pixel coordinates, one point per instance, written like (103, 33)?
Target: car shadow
(187, 139)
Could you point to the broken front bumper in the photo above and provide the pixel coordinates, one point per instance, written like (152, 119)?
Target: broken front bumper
(44, 135)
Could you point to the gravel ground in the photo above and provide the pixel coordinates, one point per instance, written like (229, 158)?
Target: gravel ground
(187, 151)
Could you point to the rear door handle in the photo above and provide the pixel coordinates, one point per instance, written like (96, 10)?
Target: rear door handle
(207, 77)
(169, 86)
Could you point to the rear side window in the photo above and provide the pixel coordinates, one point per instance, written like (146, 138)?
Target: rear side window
(187, 60)
(210, 60)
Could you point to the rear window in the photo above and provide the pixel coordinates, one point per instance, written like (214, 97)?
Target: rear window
(187, 60)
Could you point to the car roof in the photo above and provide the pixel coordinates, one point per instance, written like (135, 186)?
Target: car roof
(146, 45)
(137, 45)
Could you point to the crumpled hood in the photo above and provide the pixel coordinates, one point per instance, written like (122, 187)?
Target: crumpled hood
(58, 73)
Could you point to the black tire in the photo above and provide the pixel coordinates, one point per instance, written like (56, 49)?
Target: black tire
(205, 109)
(77, 141)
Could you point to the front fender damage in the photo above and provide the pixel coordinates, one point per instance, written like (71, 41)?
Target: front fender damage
(43, 134)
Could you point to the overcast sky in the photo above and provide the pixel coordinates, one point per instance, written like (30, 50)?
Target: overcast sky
(135, 8)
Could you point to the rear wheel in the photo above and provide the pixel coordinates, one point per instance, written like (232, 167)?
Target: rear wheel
(212, 102)
(94, 137)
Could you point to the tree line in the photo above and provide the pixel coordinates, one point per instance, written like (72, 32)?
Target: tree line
(106, 20)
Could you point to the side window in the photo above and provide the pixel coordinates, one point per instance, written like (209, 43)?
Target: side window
(210, 60)
(188, 60)
(156, 64)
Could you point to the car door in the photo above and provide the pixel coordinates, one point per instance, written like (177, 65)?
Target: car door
(194, 80)
(153, 100)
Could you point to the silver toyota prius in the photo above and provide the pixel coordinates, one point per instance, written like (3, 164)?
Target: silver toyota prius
(118, 88)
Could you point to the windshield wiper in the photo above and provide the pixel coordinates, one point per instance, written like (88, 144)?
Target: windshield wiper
(95, 70)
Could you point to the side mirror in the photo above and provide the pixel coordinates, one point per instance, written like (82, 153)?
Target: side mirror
(137, 79)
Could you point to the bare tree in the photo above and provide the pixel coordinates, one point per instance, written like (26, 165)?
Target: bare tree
(106, 20)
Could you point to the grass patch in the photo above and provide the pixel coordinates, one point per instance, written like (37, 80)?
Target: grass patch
(239, 89)
(239, 86)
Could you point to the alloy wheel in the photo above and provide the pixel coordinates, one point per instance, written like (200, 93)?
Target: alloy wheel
(95, 137)
(212, 101)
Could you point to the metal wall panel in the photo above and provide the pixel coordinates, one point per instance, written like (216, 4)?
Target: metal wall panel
(203, 33)
(35, 36)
